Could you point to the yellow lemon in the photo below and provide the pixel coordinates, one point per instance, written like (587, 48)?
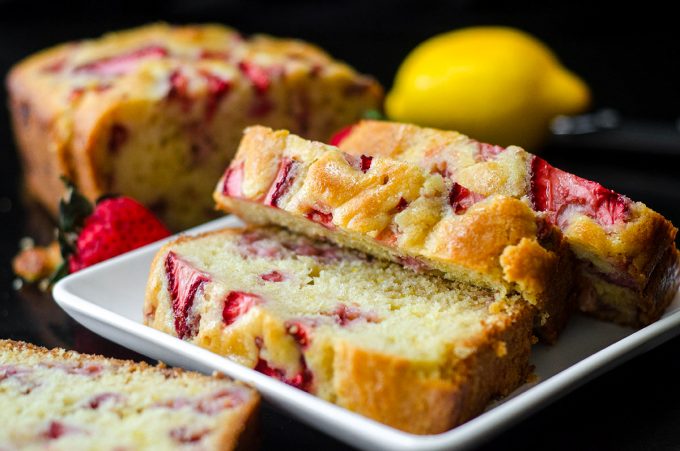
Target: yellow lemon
(496, 84)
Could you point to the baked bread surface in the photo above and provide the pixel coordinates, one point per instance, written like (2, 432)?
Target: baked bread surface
(625, 250)
(397, 211)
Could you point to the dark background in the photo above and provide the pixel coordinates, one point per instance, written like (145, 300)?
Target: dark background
(630, 57)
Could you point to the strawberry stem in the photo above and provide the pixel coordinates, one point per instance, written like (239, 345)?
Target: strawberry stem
(74, 208)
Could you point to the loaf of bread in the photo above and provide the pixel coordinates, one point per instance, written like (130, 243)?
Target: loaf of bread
(395, 210)
(62, 400)
(414, 351)
(157, 112)
(628, 264)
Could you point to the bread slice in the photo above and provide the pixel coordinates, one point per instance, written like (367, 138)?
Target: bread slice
(156, 112)
(414, 351)
(63, 400)
(628, 268)
(395, 210)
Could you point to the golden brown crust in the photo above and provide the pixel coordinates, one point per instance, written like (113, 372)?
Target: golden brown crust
(629, 306)
(634, 247)
(628, 251)
(391, 391)
(64, 354)
(398, 211)
(40, 138)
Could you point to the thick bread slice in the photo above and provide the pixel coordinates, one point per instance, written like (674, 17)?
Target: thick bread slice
(627, 258)
(395, 210)
(63, 400)
(414, 351)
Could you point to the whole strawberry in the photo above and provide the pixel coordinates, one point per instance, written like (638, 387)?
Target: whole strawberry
(115, 225)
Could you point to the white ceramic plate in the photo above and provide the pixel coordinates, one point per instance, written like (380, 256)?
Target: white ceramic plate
(108, 298)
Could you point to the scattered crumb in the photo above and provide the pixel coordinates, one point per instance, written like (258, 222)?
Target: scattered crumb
(34, 263)
(533, 378)
(500, 348)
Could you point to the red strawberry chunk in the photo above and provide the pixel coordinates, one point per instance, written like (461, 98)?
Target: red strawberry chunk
(257, 75)
(488, 152)
(401, 206)
(103, 398)
(461, 198)
(366, 163)
(361, 163)
(184, 281)
(301, 380)
(217, 89)
(237, 304)
(562, 194)
(183, 434)
(179, 90)
(57, 429)
(117, 225)
(413, 263)
(85, 369)
(218, 401)
(341, 135)
(7, 371)
(300, 332)
(233, 181)
(253, 244)
(121, 64)
(284, 179)
(325, 219)
(344, 315)
(321, 253)
(273, 276)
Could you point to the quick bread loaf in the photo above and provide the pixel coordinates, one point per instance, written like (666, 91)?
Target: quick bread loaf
(156, 112)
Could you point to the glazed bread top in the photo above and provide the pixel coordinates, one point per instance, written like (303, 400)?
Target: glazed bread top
(57, 399)
(393, 209)
(622, 239)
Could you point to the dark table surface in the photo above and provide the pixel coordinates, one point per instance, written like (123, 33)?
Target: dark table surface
(631, 63)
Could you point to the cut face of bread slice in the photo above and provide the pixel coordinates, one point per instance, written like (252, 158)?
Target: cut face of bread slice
(414, 351)
(397, 211)
(157, 112)
(628, 262)
(62, 400)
